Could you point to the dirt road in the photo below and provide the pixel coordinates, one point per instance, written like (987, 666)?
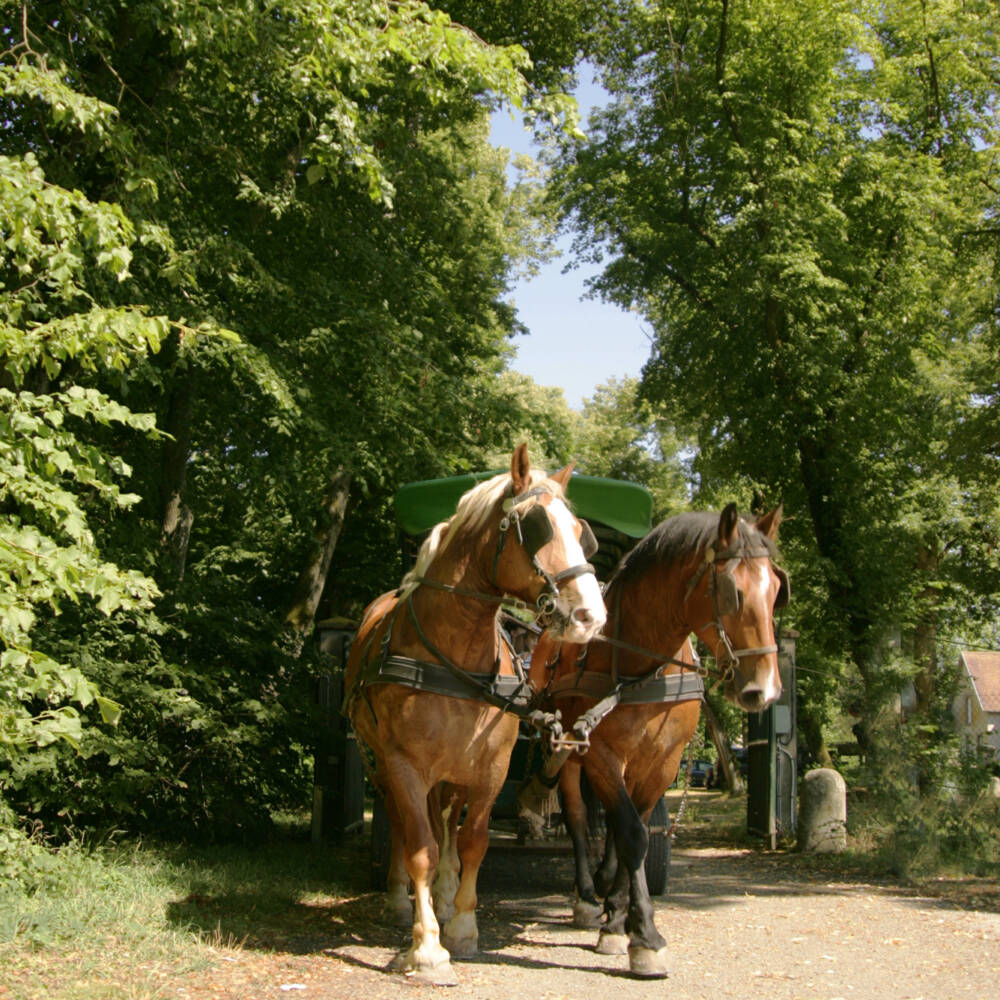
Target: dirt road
(740, 923)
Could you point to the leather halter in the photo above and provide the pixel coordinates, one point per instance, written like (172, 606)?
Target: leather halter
(728, 558)
(519, 521)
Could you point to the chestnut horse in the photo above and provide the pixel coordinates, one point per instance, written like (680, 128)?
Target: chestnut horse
(432, 687)
(635, 693)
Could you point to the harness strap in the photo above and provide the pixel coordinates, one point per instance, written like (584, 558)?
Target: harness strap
(507, 693)
(648, 689)
(462, 591)
(510, 694)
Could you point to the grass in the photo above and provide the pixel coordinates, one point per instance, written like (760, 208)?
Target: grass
(129, 922)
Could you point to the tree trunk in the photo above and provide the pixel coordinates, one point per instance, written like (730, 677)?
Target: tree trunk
(847, 589)
(925, 632)
(734, 779)
(811, 731)
(176, 517)
(312, 580)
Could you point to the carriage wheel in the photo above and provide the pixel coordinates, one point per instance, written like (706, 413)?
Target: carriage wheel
(381, 844)
(658, 852)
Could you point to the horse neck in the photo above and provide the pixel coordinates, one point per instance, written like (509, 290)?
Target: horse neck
(462, 626)
(649, 612)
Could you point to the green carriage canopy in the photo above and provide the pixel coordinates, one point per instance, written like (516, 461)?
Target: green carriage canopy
(626, 507)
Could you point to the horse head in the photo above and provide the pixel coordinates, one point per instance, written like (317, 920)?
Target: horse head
(735, 593)
(547, 564)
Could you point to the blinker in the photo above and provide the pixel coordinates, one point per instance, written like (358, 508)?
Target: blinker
(784, 591)
(729, 597)
(534, 529)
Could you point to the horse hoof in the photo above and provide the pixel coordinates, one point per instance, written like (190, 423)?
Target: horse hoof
(612, 944)
(437, 974)
(587, 915)
(647, 963)
(461, 948)
(397, 916)
(461, 935)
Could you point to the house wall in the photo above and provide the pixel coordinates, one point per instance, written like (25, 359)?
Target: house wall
(984, 727)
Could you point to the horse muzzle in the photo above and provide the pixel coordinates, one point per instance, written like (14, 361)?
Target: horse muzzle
(578, 615)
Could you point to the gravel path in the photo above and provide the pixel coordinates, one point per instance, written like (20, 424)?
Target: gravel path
(740, 923)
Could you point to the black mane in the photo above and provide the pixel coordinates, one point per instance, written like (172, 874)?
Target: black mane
(679, 537)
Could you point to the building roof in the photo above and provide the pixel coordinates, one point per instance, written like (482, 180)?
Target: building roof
(984, 671)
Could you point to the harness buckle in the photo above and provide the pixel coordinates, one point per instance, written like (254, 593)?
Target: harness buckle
(560, 741)
(546, 604)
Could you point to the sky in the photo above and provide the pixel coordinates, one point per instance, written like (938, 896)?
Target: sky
(575, 343)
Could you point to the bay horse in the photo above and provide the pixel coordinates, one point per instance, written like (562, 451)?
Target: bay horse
(433, 688)
(635, 694)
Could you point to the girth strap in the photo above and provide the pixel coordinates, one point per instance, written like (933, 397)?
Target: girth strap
(508, 693)
(649, 689)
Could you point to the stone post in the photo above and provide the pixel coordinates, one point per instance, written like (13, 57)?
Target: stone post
(823, 812)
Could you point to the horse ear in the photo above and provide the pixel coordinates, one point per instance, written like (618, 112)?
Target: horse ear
(520, 468)
(562, 476)
(768, 524)
(728, 520)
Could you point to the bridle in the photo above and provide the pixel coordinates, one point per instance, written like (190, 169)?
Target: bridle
(727, 599)
(533, 529)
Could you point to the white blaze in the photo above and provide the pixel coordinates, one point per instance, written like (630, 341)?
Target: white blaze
(584, 591)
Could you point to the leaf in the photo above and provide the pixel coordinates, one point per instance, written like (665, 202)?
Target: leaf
(111, 711)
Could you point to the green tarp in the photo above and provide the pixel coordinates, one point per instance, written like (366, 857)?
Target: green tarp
(627, 507)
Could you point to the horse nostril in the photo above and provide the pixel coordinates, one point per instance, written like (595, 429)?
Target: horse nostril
(583, 616)
(752, 698)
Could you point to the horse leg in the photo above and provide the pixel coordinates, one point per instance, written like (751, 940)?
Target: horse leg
(607, 870)
(586, 909)
(461, 933)
(397, 911)
(448, 807)
(613, 939)
(647, 950)
(426, 959)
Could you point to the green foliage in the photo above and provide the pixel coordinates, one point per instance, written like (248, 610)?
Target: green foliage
(50, 468)
(318, 178)
(929, 807)
(623, 436)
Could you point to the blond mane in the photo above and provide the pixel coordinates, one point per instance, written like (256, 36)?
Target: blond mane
(473, 509)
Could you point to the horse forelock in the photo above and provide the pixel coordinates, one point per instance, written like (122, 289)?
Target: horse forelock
(680, 538)
(474, 509)
(477, 505)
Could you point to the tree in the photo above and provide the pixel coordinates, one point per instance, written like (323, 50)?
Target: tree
(622, 436)
(786, 192)
(317, 178)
